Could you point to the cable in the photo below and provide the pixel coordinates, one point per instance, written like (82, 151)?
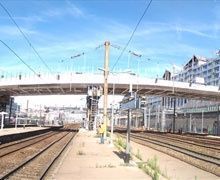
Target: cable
(25, 37)
(84, 53)
(146, 9)
(19, 58)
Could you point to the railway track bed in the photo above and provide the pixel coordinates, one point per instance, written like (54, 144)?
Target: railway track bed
(206, 158)
(32, 159)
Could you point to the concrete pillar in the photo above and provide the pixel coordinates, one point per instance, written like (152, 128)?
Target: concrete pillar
(190, 123)
(145, 118)
(202, 122)
(163, 120)
(136, 122)
(148, 124)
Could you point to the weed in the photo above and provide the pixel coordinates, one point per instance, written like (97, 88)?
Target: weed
(110, 166)
(121, 142)
(105, 166)
(152, 163)
(80, 152)
(108, 134)
(138, 155)
(152, 168)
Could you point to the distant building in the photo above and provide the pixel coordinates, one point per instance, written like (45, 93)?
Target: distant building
(197, 70)
(11, 108)
(207, 68)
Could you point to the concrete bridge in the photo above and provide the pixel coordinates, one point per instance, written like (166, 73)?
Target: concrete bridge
(77, 84)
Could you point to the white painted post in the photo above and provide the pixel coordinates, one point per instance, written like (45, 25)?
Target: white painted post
(2, 124)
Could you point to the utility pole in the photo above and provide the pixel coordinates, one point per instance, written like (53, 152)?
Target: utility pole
(106, 72)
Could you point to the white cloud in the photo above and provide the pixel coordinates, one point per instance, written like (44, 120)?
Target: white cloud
(74, 10)
(70, 9)
(198, 29)
(13, 31)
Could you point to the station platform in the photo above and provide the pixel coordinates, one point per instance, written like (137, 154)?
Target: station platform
(10, 131)
(86, 159)
(13, 134)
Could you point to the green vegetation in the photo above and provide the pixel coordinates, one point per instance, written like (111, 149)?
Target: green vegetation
(120, 143)
(108, 134)
(152, 168)
(138, 155)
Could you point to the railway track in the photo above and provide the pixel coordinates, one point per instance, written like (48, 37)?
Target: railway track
(212, 148)
(206, 158)
(199, 139)
(32, 161)
(8, 148)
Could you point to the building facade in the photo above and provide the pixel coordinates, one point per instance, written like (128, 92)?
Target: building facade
(197, 70)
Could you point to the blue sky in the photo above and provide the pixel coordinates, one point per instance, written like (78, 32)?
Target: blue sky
(170, 33)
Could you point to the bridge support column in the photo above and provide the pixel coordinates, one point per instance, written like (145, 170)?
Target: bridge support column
(190, 123)
(145, 118)
(202, 122)
(163, 120)
(148, 124)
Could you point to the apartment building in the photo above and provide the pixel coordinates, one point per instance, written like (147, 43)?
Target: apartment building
(207, 68)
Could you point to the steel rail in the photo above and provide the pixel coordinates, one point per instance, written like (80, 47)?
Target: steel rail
(25, 146)
(29, 159)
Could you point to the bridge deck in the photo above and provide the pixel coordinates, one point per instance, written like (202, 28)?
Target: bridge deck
(78, 84)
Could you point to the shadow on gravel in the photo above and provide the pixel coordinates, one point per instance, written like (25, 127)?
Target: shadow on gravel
(120, 154)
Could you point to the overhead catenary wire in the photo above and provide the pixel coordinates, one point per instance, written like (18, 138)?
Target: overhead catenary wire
(25, 37)
(29, 67)
(84, 53)
(129, 51)
(119, 57)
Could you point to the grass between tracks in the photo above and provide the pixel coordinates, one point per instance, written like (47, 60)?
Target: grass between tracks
(150, 167)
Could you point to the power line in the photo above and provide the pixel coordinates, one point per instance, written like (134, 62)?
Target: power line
(84, 53)
(29, 67)
(25, 37)
(146, 9)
